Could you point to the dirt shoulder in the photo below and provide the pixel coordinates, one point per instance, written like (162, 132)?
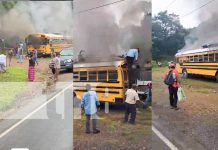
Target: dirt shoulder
(115, 134)
(197, 119)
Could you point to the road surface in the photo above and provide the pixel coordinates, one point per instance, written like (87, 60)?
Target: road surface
(52, 131)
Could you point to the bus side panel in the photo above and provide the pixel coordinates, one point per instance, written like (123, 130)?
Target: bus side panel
(178, 68)
(205, 72)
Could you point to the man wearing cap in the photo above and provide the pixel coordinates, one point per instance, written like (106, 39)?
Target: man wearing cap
(89, 103)
(173, 88)
(130, 104)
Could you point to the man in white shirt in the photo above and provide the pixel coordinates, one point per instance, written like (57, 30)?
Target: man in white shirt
(57, 65)
(130, 103)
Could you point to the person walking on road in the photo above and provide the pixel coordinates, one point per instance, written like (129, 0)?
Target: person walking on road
(31, 70)
(173, 81)
(89, 103)
(130, 104)
(57, 66)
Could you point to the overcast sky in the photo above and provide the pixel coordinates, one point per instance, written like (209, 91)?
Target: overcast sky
(179, 7)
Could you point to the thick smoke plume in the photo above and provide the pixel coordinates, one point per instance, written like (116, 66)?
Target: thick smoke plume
(111, 30)
(206, 31)
(29, 17)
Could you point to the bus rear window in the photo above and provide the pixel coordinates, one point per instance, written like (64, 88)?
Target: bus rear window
(102, 76)
(216, 57)
(211, 57)
(206, 58)
(112, 75)
(83, 76)
(200, 58)
(92, 76)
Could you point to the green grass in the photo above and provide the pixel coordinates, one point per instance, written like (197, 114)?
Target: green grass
(12, 83)
(14, 74)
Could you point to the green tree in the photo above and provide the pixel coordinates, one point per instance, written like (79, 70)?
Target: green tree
(168, 35)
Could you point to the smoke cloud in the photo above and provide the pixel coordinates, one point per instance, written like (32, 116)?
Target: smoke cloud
(206, 31)
(111, 30)
(29, 17)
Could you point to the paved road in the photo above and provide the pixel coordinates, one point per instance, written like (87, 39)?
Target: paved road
(52, 131)
(158, 144)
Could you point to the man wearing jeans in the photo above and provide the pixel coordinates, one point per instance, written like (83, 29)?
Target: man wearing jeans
(89, 103)
(130, 103)
(131, 56)
(174, 87)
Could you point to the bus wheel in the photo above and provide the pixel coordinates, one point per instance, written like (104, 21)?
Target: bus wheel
(184, 73)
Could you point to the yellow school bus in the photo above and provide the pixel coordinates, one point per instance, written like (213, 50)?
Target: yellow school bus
(198, 62)
(47, 43)
(108, 79)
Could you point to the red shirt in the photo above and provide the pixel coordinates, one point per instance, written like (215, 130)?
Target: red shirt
(175, 75)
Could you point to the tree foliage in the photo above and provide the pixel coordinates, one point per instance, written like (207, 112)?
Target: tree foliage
(7, 5)
(168, 35)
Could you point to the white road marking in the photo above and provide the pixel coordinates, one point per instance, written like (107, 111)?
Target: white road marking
(32, 113)
(19, 149)
(164, 139)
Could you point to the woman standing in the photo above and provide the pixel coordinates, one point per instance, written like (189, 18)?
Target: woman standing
(31, 71)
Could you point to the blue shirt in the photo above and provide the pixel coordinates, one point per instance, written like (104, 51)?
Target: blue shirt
(132, 53)
(89, 102)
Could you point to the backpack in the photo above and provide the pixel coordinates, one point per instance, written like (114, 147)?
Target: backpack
(169, 79)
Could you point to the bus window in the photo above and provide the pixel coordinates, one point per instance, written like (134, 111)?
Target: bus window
(211, 57)
(216, 57)
(92, 76)
(83, 76)
(112, 75)
(102, 76)
(200, 58)
(191, 58)
(206, 58)
(196, 58)
(76, 75)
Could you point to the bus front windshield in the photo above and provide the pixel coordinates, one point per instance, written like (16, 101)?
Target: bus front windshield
(31, 40)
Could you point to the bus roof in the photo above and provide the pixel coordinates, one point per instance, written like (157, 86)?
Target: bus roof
(98, 64)
(51, 35)
(196, 51)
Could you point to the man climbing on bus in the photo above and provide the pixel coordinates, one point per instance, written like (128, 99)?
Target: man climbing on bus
(173, 81)
(89, 103)
(131, 56)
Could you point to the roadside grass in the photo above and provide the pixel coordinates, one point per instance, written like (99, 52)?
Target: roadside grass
(112, 127)
(197, 84)
(12, 83)
(13, 74)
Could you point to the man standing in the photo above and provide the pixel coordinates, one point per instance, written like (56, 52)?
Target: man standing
(89, 102)
(173, 81)
(10, 55)
(36, 56)
(131, 56)
(57, 66)
(130, 104)
(20, 53)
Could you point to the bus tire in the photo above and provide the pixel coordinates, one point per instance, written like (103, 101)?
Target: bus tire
(216, 76)
(184, 73)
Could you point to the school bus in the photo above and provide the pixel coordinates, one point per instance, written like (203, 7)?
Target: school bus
(202, 61)
(108, 79)
(46, 44)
